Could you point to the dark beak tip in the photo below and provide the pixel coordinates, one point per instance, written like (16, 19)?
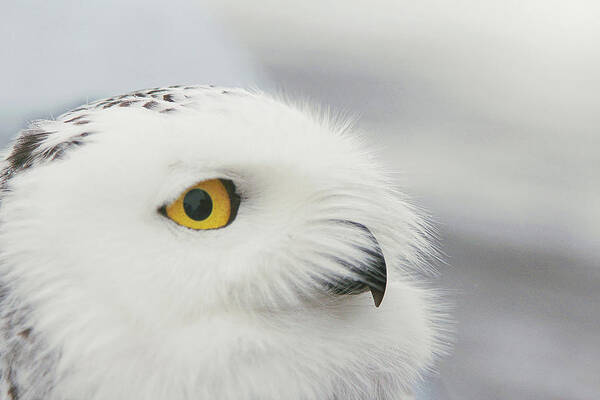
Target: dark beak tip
(377, 296)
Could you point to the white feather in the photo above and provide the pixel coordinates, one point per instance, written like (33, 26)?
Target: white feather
(130, 305)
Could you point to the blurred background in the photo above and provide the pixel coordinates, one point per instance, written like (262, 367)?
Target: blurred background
(488, 110)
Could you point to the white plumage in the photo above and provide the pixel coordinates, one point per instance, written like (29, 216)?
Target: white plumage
(103, 297)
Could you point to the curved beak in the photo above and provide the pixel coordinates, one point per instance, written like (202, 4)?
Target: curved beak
(377, 278)
(371, 275)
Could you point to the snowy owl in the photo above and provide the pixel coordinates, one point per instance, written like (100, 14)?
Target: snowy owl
(197, 242)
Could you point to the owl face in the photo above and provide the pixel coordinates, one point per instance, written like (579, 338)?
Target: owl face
(218, 228)
(295, 204)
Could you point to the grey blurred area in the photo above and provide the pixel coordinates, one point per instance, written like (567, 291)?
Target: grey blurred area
(59, 54)
(486, 112)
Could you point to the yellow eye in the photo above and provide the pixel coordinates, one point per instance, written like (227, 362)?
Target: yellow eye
(209, 204)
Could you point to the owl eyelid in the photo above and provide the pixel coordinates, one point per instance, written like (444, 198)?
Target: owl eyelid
(234, 199)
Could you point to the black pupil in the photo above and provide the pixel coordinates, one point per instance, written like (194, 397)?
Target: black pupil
(197, 204)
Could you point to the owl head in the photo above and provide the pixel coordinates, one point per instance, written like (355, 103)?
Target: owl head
(163, 209)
